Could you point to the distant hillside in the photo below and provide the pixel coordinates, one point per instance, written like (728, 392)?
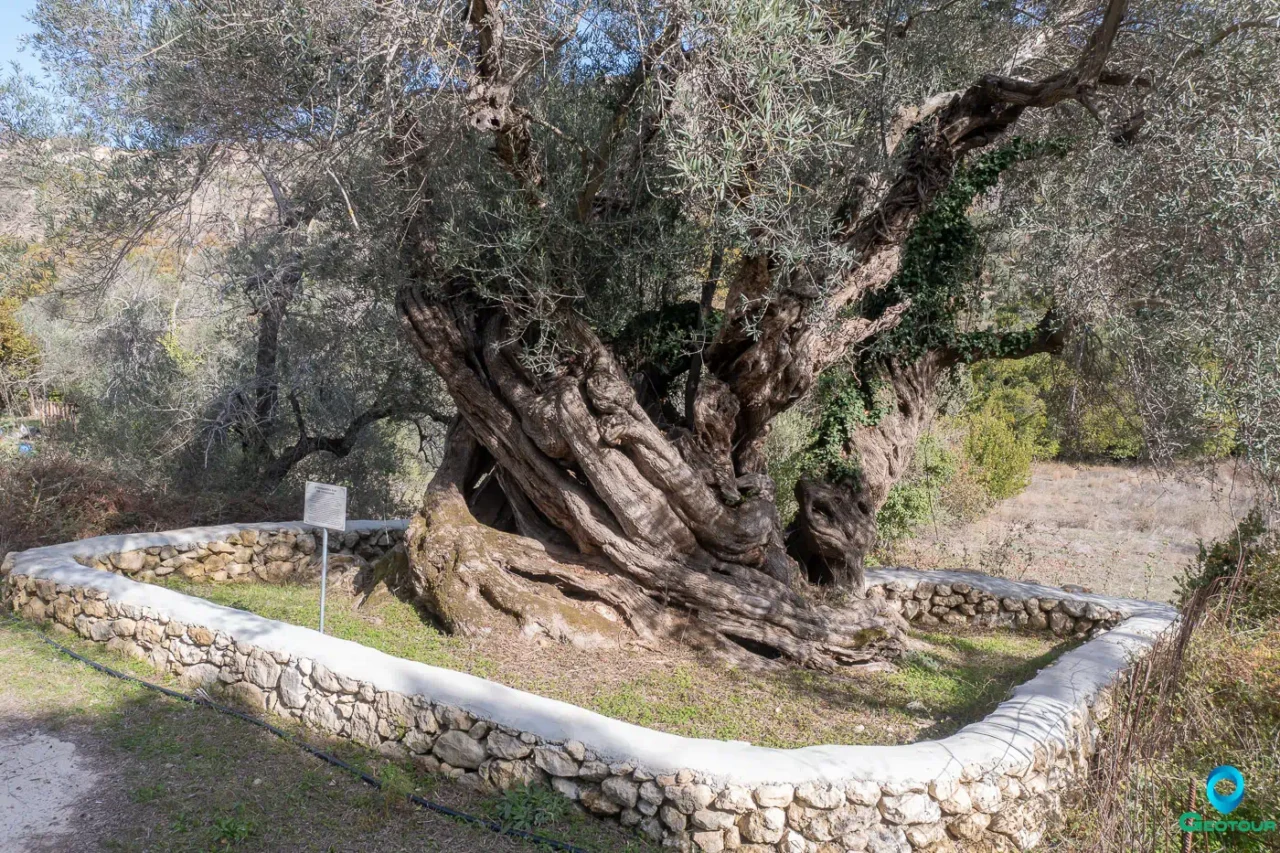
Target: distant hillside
(19, 217)
(232, 198)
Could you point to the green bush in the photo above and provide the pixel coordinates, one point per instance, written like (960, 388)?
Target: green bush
(1105, 431)
(914, 499)
(1017, 392)
(784, 450)
(1077, 413)
(908, 506)
(1004, 427)
(1252, 552)
(1000, 456)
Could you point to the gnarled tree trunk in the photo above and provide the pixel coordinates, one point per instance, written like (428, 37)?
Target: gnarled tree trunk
(602, 508)
(613, 525)
(835, 525)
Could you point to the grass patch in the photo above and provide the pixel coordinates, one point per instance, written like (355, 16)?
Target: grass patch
(529, 807)
(953, 679)
(185, 778)
(387, 624)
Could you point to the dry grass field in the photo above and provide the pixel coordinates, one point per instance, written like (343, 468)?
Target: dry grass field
(1114, 529)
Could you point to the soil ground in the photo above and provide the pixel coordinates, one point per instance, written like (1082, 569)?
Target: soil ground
(90, 763)
(947, 680)
(1113, 529)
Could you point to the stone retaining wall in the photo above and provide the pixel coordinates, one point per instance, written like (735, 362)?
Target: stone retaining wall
(967, 598)
(991, 786)
(272, 553)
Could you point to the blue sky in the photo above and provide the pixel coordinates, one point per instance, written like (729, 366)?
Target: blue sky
(14, 25)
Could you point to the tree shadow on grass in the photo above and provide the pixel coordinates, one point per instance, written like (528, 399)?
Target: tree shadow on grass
(953, 689)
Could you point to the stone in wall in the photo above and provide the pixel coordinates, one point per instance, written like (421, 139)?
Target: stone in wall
(268, 555)
(929, 604)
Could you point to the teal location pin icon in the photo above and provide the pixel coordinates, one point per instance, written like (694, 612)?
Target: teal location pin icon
(1225, 803)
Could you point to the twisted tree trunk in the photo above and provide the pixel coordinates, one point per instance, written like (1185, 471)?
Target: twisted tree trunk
(569, 508)
(614, 528)
(835, 525)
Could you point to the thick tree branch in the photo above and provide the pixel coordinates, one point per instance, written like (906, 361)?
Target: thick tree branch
(337, 445)
(705, 299)
(1049, 335)
(767, 353)
(491, 106)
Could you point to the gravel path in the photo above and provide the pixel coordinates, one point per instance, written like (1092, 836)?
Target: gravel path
(45, 784)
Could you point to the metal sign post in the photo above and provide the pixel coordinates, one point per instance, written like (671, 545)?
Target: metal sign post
(325, 507)
(324, 571)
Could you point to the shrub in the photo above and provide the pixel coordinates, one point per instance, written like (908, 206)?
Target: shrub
(784, 451)
(1006, 426)
(1000, 456)
(56, 497)
(1017, 393)
(914, 500)
(1082, 412)
(965, 496)
(909, 505)
(1243, 567)
(1106, 431)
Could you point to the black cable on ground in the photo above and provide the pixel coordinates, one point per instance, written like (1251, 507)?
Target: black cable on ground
(491, 825)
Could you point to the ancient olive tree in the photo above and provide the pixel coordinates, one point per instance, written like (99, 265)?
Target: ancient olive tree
(583, 438)
(626, 236)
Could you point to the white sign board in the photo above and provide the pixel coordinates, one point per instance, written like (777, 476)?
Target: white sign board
(325, 506)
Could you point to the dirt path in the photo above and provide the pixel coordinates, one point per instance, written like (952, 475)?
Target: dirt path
(46, 783)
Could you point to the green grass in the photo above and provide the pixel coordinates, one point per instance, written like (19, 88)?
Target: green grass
(972, 672)
(391, 626)
(958, 678)
(185, 778)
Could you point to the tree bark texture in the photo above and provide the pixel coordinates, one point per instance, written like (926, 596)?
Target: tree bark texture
(659, 534)
(835, 525)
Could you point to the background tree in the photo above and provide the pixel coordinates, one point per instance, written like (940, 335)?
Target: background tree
(204, 302)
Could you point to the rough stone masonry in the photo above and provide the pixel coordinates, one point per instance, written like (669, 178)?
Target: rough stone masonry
(991, 787)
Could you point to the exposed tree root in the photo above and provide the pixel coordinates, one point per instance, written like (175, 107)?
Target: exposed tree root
(474, 577)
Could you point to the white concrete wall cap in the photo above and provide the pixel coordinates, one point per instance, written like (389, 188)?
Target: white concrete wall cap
(1036, 713)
